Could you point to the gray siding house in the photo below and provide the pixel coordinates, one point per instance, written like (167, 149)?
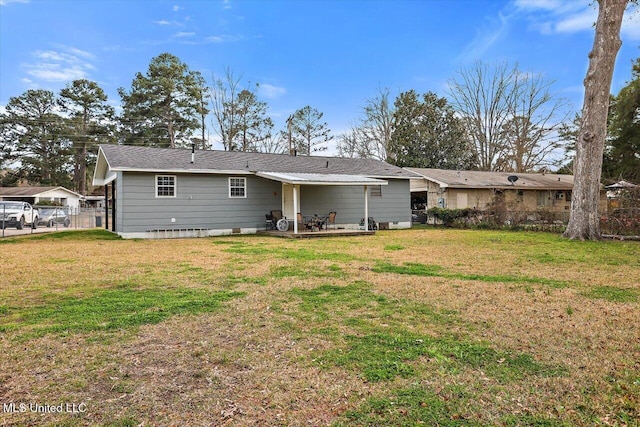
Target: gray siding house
(179, 193)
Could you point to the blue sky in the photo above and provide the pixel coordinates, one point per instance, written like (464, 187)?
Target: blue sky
(331, 55)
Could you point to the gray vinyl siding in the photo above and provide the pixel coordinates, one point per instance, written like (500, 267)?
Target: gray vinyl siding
(348, 202)
(202, 201)
(117, 203)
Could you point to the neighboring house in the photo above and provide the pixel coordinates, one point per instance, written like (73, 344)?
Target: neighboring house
(35, 195)
(219, 192)
(623, 195)
(473, 189)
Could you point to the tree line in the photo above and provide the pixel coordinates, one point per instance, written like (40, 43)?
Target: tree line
(494, 118)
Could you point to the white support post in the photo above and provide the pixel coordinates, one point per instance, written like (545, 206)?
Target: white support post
(366, 208)
(295, 209)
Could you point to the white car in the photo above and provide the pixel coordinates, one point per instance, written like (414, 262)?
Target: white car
(53, 216)
(18, 214)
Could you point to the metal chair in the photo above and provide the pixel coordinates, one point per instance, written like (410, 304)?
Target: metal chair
(301, 223)
(270, 224)
(277, 216)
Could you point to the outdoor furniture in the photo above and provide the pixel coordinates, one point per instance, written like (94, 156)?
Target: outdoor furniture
(277, 216)
(331, 219)
(305, 222)
(311, 223)
(315, 222)
(275, 221)
(270, 224)
(372, 225)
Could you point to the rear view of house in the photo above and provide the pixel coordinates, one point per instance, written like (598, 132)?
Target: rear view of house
(205, 193)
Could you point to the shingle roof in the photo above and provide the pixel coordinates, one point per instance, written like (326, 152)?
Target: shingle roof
(28, 191)
(477, 179)
(136, 158)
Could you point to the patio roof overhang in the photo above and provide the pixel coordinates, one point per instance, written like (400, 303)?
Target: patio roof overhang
(320, 179)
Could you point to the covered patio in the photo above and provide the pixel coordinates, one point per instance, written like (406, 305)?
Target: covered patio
(291, 198)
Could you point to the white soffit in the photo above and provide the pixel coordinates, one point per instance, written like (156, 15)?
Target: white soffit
(321, 179)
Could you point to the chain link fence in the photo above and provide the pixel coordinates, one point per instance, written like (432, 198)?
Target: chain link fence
(55, 218)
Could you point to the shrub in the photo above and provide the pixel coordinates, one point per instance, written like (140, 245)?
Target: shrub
(449, 216)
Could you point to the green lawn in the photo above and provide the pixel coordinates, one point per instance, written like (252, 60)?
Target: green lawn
(413, 327)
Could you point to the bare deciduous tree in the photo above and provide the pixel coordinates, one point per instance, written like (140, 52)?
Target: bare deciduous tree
(274, 142)
(584, 220)
(371, 137)
(224, 101)
(511, 116)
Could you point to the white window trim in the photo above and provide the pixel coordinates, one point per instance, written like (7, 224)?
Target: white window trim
(244, 180)
(175, 186)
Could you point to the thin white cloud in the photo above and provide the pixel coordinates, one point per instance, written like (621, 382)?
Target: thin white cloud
(558, 16)
(117, 48)
(57, 73)
(77, 52)
(580, 21)
(162, 22)
(28, 83)
(6, 2)
(224, 38)
(270, 91)
(176, 8)
(486, 38)
(184, 34)
(554, 6)
(66, 64)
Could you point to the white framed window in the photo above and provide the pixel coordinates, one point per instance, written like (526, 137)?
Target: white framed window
(237, 187)
(166, 185)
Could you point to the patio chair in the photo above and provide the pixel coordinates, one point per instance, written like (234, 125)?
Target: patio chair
(331, 219)
(300, 221)
(277, 216)
(303, 223)
(270, 224)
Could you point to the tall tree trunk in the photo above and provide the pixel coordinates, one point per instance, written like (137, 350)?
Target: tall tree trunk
(584, 222)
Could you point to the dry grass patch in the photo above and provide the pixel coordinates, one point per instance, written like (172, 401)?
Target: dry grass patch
(405, 327)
